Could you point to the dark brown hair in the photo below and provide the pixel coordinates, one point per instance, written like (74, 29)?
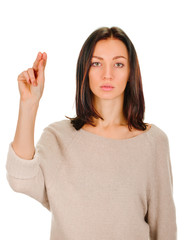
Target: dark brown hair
(134, 104)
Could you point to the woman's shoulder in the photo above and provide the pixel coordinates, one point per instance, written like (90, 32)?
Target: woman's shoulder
(61, 128)
(60, 132)
(159, 133)
(59, 124)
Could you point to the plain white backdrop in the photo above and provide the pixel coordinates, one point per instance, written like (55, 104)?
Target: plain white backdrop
(60, 28)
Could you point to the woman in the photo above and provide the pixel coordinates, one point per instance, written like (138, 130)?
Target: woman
(104, 174)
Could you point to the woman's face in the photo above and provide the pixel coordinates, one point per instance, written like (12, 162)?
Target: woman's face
(111, 67)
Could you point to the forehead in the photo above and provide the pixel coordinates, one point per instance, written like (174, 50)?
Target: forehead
(110, 47)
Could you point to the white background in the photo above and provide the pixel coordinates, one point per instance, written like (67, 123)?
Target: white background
(60, 28)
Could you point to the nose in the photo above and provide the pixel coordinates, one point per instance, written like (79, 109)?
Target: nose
(107, 72)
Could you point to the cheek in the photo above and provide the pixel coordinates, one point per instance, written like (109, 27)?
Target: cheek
(123, 73)
(121, 78)
(93, 78)
(93, 83)
(93, 73)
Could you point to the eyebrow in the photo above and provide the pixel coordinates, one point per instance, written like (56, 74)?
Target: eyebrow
(112, 59)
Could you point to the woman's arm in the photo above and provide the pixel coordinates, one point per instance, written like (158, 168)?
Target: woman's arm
(31, 85)
(26, 176)
(161, 215)
(24, 173)
(23, 143)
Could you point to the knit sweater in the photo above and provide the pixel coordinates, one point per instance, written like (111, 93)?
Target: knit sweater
(99, 188)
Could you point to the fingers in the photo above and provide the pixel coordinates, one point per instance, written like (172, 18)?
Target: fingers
(44, 57)
(31, 74)
(25, 76)
(36, 63)
(41, 67)
(42, 63)
(40, 57)
(28, 76)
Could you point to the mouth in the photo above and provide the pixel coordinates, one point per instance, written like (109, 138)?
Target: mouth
(107, 87)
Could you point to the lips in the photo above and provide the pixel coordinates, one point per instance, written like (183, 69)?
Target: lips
(107, 86)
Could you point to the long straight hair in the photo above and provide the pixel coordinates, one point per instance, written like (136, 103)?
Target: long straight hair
(133, 105)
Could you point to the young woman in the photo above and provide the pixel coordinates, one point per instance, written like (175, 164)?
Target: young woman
(104, 174)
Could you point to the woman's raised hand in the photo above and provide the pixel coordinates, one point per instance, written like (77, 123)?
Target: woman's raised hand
(31, 82)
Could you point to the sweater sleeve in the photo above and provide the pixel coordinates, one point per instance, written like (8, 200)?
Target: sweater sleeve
(161, 215)
(26, 176)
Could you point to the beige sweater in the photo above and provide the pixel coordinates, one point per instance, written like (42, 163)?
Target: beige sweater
(99, 188)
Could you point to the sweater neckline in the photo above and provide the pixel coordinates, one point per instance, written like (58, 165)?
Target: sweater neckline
(106, 139)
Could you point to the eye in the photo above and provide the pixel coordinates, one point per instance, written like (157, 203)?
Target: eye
(121, 64)
(94, 63)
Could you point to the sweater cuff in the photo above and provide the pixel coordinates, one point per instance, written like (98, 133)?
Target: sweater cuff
(19, 167)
